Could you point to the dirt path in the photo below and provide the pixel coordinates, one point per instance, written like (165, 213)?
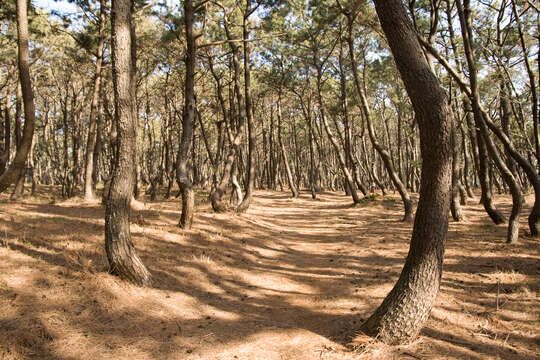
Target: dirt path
(291, 279)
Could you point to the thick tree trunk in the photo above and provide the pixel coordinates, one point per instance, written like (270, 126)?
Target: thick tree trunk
(17, 166)
(406, 308)
(123, 260)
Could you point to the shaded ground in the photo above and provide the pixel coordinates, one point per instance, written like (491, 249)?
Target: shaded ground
(290, 279)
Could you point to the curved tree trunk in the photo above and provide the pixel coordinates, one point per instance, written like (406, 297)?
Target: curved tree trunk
(217, 194)
(346, 172)
(17, 166)
(406, 308)
(480, 122)
(383, 153)
(123, 260)
(483, 172)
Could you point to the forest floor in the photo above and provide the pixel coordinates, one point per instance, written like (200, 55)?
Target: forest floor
(290, 279)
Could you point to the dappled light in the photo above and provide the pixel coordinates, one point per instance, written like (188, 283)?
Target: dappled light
(288, 279)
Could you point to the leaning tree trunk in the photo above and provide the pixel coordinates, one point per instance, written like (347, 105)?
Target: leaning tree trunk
(123, 260)
(480, 122)
(383, 153)
(341, 159)
(17, 166)
(406, 308)
(483, 172)
(188, 197)
(235, 140)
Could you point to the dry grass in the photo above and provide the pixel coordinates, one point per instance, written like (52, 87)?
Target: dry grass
(291, 279)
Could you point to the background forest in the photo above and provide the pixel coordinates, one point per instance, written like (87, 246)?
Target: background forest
(268, 118)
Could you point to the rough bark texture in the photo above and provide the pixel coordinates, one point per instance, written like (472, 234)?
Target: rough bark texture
(123, 260)
(406, 308)
(188, 197)
(17, 166)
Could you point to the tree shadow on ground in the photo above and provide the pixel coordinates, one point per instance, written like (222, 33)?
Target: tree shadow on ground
(283, 268)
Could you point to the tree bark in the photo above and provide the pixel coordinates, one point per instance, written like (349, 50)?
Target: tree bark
(92, 126)
(383, 153)
(217, 194)
(188, 196)
(123, 260)
(290, 179)
(6, 151)
(406, 308)
(17, 166)
(18, 190)
(252, 136)
(455, 205)
(341, 159)
(464, 12)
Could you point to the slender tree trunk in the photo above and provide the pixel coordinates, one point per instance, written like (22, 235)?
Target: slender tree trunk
(92, 127)
(123, 260)
(216, 195)
(383, 153)
(480, 122)
(17, 166)
(18, 190)
(342, 163)
(4, 156)
(188, 196)
(290, 179)
(252, 136)
(406, 308)
(455, 205)
(532, 83)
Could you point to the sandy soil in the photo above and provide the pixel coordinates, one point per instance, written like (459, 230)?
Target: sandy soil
(290, 279)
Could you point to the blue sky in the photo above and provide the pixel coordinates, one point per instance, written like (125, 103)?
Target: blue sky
(60, 6)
